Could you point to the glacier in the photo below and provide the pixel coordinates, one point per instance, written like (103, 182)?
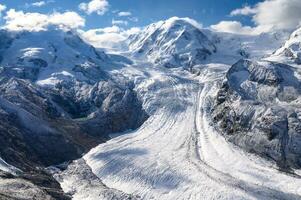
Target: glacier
(180, 152)
(173, 94)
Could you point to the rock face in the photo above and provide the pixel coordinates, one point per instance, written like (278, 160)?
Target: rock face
(176, 42)
(258, 108)
(56, 101)
(291, 49)
(30, 186)
(79, 181)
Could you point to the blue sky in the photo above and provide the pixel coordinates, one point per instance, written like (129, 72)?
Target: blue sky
(143, 12)
(100, 21)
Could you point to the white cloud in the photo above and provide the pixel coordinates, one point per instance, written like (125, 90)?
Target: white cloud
(67, 19)
(124, 14)
(39, 4)
(234, 27)
(131, 31)
(247, 10)
(187, 19)
(98, 6)
(2, 8)
(103, 37)
(18, 20)
(109, 37)
(134, 19)
(278, 14)
(273, 14)
(119, 22)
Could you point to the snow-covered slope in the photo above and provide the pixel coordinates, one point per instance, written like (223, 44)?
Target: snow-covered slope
(50, 56)
(176, 42)
(290, 52)
(233, 47)
(60, 96)
(177, 154)
(4, 166)
(180, 152)
(57, 101)
(258, 108)
(181, 42)
(261, 101)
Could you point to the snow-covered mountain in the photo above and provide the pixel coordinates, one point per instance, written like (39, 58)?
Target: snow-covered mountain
(226, 129)
(176, 42)
(235, 46)
(60, 97)
(182, 42)
(258, 108)
(261, 100)
(290, 52)
(57, 102)
(47, 57)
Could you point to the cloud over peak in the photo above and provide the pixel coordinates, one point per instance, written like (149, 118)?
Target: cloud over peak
(109, 37)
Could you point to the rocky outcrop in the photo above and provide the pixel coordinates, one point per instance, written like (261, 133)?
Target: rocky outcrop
(82, 183)
(258, 108)
(30, 186)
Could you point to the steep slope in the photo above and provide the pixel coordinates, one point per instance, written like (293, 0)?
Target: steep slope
(290, 51)
(258, 108)
(181, 42)
(57, 102)
(233, 47)
(176, 42)
(261, 101)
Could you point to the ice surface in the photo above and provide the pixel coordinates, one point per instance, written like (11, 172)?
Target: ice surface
(4, 166)
(177, 153)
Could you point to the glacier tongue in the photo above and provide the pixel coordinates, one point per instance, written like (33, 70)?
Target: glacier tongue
(176, 154)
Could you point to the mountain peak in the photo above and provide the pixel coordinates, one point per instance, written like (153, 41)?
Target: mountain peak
(49, 56)
(174, 21)
(180, 40)
(291, 51)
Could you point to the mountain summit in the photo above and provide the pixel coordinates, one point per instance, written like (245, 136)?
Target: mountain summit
(172, 43)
